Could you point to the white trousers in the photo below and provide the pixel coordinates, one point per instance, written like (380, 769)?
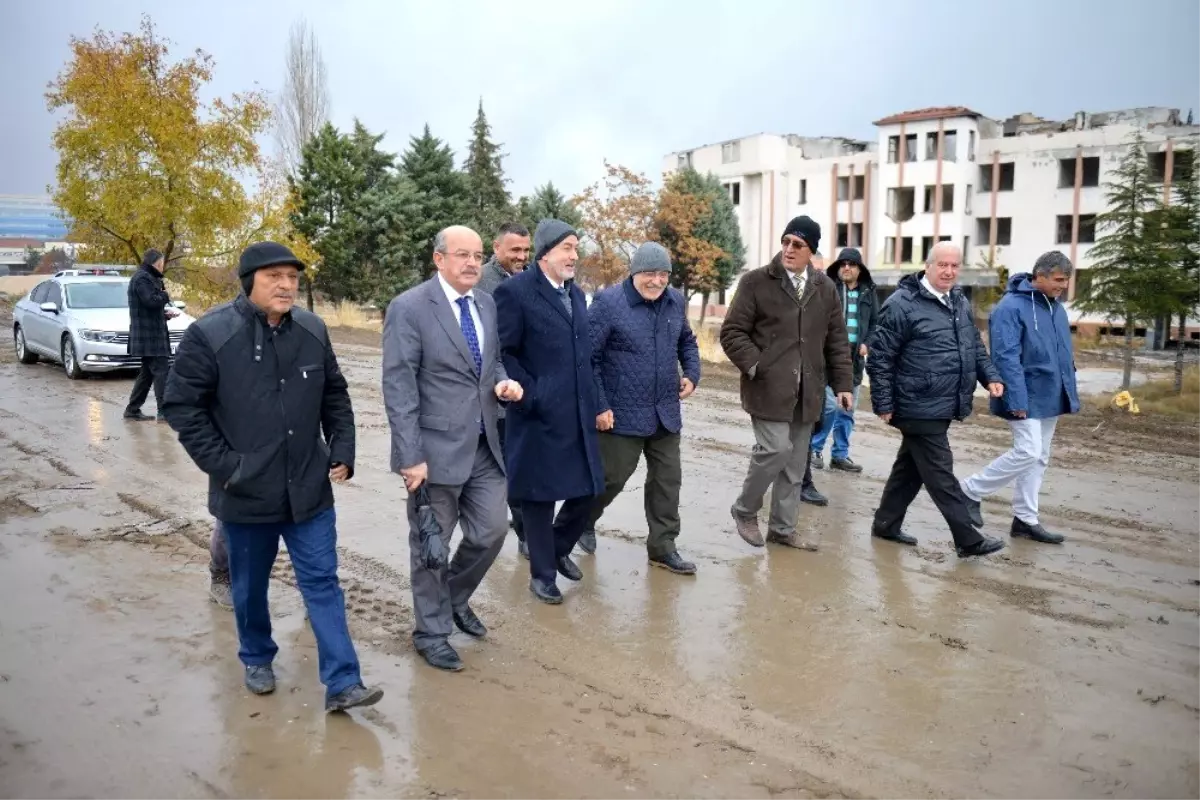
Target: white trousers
(1023, 466)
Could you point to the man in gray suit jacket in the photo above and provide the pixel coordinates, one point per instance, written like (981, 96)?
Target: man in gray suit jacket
(442, 380)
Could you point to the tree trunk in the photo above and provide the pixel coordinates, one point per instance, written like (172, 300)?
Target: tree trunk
(703, 307)
(308, 291)
(1127, 373)
(1179, 353)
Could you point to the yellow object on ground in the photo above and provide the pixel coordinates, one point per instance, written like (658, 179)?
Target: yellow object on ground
(1124, 399)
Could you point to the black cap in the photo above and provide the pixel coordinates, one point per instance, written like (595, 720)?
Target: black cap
(264, 254)
(807, 229)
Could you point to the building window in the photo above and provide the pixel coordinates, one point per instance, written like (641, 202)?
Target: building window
(1179, 166)
(731, 152)
(843, 235)
(893, 149)
(970, 145)
(1007, 173)
(966, 249)
(889, 250)
(1087, 229)
(947, 197)
(843, 189)
(860, 187)
(910, 147)
(931, 147)
(684, 160)
(856, 234)
(1066, 172)
(950, 146)
(735, 192)
(906, 250)
(803, 191)
(983, 231)
(901, 203)
(967, 199)
(927, 243)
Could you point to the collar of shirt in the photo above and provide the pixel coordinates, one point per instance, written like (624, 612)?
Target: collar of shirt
(943, 297)
(451, 293)
(799, 279)
(557, 286)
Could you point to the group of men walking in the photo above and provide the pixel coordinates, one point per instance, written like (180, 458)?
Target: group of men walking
(508, 394)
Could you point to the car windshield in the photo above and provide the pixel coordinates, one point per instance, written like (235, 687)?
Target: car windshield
(109, 294)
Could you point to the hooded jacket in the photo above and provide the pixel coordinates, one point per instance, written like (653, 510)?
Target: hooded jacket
(868, 304)
(1031, 347)
(926, 357)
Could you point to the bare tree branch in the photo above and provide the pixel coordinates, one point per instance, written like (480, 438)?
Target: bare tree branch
(303, 104)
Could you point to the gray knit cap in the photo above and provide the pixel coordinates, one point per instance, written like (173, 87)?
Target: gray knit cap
(549, 233)
(650, 257)
(1050, 261)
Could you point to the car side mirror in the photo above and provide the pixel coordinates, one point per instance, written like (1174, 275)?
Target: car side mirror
(179, 304)
(49, 308)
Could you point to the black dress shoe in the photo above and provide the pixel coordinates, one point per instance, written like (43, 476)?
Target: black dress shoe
(442, 656)
(673, 562)
(356, 695)
(587, 543)
(809, 494)
(985, 546)
(523, 549)
(1035, 532)
(546, 592)
(975, 511)
(569, 569)
(136, 416)
(468, 623)
(899, 536)
(844, 464)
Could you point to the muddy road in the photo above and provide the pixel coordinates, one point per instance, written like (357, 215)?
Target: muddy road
(861, 670)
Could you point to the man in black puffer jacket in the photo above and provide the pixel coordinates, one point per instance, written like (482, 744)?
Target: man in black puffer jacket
(926, 356)
(261, 406)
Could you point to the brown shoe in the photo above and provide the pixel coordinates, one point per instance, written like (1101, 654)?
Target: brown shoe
(791, 540)
(748, 529)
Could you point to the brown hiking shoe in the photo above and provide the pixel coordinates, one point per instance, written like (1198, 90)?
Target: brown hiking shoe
(748, 529)
(791, 540)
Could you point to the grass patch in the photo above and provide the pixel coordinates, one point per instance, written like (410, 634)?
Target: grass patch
(1158, 397)
(349, 315)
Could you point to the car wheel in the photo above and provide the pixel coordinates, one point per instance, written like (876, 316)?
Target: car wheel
(24, 354)
(70, 362)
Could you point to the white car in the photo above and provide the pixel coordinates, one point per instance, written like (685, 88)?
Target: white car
(82, 322)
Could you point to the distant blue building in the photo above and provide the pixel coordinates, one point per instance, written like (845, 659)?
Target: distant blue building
(30, 217)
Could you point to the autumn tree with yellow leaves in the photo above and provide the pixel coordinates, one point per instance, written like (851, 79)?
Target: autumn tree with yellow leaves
(143, 162)
(617, 215)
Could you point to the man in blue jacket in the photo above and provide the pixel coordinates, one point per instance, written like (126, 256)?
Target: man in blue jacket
(1031, 347)
(550, 443)
(640, 339)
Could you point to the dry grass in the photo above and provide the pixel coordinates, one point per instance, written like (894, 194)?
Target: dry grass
(710, 346)
(348, 315)
(1158, 398)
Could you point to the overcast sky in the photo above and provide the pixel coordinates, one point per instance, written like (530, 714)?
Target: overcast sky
(568, 84)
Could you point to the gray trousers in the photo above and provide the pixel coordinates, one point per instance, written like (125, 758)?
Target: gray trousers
(777, 462)
(479, 508)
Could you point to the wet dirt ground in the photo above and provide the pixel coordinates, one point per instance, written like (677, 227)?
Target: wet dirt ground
(863, 669)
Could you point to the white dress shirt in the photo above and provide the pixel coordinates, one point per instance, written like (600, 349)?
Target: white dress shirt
(452, 295)
(943, 297)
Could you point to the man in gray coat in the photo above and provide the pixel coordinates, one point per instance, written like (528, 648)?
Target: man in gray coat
(510, 254)
(442, 378)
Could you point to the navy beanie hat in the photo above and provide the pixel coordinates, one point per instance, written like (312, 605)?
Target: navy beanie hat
(807, 229)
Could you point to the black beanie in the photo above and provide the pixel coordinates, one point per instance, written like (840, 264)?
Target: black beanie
(263, 254)
(807, 229)
(151, 257)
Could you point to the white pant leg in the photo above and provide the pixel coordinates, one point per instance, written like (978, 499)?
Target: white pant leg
(1026, 449)
(1029, 483)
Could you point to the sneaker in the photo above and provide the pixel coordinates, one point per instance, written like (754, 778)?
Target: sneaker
(356, 695)
(260, 679)
(818, 461)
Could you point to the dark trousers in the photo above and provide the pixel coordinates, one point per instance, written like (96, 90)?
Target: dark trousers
(218, 552)
(551, 537)
(925, 459)
(153, 373)
(312, 545)
(513, 506)
(664, 477)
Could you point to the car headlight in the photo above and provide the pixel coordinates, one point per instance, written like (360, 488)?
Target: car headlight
(98, 336)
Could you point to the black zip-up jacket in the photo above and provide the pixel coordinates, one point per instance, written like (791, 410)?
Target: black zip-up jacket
(263, 411)
(925, 357)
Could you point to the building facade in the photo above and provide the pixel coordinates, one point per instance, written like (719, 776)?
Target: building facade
(30, 217)
(1003, 191)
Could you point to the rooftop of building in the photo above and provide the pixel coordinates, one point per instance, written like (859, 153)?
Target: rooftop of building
(925, 114)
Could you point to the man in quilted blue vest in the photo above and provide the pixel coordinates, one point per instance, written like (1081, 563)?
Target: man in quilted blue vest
(640, 341)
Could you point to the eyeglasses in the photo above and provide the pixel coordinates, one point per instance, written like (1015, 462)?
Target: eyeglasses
(466, 255)
(794, 244)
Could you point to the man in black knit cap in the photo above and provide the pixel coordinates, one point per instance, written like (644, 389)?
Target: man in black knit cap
(785, 333)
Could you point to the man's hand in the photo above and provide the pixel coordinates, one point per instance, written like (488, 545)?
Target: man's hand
(996, 389)
(604, 422)
(1020, 414)
(846, 401)
(886, 417)
(686, 387)
(862, 350)
(415, 476)
(509, 391)
(339, 473)
(171, 313)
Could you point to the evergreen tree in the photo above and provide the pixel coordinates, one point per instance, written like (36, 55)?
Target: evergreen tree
(489, 203)
(324, 193)
(1132, 276)
(1182, 220)
(437, 197)
(547, 202)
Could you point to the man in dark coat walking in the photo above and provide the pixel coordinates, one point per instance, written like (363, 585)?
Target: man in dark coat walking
(149, 310)
(926, 356)
(640, 340)
(785, 333)
(551, 449)
(261, 406)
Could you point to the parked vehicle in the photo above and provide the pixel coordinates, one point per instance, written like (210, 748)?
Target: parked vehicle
(82, 322)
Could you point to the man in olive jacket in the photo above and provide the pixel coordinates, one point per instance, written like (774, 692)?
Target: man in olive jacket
(784, 331)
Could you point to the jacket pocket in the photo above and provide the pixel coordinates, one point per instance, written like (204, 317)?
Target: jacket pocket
(434, 422)
(251, 467)
(312, 372)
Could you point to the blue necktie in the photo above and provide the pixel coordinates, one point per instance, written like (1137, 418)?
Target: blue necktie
(468, 331)
(564, 293)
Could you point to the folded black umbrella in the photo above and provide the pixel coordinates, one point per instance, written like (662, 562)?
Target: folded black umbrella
(433, 549)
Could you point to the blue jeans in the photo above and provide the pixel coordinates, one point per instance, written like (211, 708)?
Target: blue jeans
(840, 423)
(312, 545)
